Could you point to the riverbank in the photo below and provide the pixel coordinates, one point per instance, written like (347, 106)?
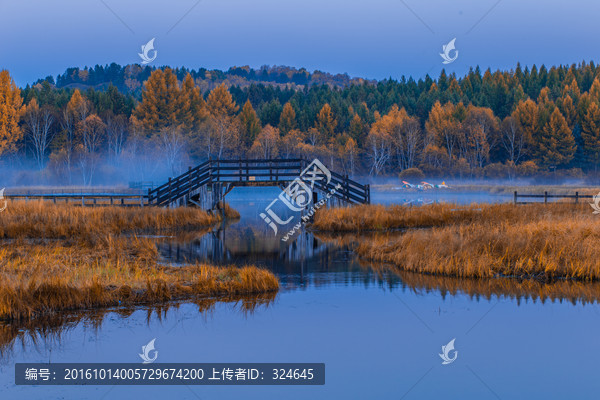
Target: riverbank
(58, 258)
(493, 189)
(534, 241)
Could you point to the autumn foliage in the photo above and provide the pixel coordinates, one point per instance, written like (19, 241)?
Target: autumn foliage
(492, 124)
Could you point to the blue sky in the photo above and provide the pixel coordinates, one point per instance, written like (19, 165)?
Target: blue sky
(373, 39)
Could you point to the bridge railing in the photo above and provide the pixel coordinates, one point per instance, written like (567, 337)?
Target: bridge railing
(277, 171)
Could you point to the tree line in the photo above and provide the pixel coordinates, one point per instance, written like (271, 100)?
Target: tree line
(499, 124)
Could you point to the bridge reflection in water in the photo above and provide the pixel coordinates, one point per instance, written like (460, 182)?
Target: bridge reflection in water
(295, 262)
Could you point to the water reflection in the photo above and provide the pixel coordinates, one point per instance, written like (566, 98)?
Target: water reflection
(519, 290)
(322, 260)
(49, 330)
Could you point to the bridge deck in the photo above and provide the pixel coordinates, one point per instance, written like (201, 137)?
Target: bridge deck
(215, 178)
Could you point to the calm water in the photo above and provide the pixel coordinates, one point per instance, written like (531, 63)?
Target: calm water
(378, 333)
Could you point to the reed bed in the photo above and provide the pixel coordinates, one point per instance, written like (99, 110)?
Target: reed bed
(42, 279)
(56, 257)
(41, 219)
(544, 242)
(365, 218)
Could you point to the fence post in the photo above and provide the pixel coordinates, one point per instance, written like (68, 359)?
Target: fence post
(515, 197)
(545, 197)
(169, 191)
(346, 189)
(576, 197)
(190, 180)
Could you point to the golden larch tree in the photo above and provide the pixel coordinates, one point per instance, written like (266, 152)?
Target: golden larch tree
(249, 124)
(287, 119)
(590, 133)
(11, 110)
(223, 134)
(326, 123)
(557, 143)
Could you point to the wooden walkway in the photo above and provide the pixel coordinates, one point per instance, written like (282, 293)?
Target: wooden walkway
(208, 183)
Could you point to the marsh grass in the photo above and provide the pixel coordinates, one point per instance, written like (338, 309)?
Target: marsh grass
(67, 258)
(41, 219)
(365, 218)
(39, 280)
(536, 241)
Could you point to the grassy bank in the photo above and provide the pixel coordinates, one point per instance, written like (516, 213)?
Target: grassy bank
(59, 221)
(384, 218)
(68, 258)
(545, 242)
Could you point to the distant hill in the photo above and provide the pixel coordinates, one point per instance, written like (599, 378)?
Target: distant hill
(130, 78)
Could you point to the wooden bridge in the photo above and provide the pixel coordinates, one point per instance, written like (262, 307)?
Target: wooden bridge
(207, 184)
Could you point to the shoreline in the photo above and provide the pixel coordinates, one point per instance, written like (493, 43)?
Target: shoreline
(67, 258)
(534, 242)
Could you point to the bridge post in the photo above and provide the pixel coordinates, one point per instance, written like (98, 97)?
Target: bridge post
(368, 190)
(189, 194)
(169, 202)
(346, 189)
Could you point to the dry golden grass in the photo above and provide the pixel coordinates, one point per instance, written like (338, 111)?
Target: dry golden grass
(229, 212)
(382, 218)
(45, 220)
(42, 279)
(546, 242)
(67, 258)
